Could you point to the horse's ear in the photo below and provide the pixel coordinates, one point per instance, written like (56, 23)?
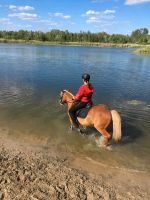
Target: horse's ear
(61, 91)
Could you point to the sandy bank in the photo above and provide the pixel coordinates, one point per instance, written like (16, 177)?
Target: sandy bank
(32, 172)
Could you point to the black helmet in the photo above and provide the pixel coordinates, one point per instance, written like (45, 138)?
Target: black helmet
(86, 77)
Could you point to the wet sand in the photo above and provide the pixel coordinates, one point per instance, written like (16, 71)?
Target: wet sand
(31, 170)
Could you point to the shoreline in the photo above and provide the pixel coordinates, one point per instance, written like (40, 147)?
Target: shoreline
(90, 44)
(31, 170)
(140, 49)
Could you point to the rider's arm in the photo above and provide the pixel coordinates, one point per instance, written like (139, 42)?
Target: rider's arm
(79, 94)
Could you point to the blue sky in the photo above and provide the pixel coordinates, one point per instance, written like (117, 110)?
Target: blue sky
(111, 16)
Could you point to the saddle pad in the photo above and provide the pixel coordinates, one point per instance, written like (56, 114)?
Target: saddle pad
(82, 112)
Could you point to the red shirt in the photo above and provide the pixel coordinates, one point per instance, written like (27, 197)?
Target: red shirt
(84, 93)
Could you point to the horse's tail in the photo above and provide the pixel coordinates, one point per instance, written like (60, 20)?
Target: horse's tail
(116, 125)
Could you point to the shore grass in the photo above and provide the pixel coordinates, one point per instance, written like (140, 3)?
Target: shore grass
(140, 48)
(97, 44)
(143, 50)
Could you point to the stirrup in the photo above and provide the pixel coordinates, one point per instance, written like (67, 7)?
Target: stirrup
(80, 131)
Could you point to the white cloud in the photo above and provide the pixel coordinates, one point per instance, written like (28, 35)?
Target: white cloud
(48, 22)
(109, 11)
(61, 15)
(25, 16)
(20, 8)
(52, 23)
(90, 13)
(100, 18)
(5, 21)
(132, 2)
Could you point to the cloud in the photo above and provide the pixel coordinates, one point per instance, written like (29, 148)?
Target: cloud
(61, 15)
(133, 2)
(90, 13)
(20, 8)
(5, 21)
(47, 22)
(100, 18)
(109, 11)
(25, 16)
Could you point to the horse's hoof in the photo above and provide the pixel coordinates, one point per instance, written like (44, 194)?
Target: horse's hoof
(109, 148)
(80, 131)
(71, 127)
(102, 145)
(102, 142)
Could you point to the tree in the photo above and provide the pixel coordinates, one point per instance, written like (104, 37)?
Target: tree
(140, 36)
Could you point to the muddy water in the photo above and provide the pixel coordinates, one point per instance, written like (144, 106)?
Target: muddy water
(31, 78)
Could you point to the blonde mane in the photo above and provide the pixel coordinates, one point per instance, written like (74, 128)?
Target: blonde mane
(68, 92)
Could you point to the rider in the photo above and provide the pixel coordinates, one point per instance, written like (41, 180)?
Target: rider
(81, 99)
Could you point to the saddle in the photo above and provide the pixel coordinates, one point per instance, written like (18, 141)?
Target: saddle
(82, 113)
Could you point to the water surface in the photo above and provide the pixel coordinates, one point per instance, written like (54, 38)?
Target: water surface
(31, 78)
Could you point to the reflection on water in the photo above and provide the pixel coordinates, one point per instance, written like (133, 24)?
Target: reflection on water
(31, 78)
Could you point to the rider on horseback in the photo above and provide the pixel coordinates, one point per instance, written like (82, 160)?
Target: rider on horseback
(81, 99)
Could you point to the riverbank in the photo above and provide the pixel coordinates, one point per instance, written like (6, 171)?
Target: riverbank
(93, 44)
(143, 50)
(140, 49)
(31, 169)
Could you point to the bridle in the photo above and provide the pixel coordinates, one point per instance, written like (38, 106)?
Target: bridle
(61, 98)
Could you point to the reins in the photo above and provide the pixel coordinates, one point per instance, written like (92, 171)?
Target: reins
(69, 101)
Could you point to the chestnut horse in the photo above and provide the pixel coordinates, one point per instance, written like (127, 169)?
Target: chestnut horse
(99, 116)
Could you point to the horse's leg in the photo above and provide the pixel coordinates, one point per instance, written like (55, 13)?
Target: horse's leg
(71, 122)
(105, 134)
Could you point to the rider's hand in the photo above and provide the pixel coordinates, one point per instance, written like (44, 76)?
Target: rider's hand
(73, 99)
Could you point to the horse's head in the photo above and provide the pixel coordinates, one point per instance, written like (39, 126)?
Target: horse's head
(65, 97)
(62, 99)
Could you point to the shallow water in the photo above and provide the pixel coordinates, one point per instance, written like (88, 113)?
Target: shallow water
(31, 78)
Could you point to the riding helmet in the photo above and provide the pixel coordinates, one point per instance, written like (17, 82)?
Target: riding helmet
(86, 77)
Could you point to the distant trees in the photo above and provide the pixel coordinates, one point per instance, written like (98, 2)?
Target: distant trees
(55, 35)
(140, 36)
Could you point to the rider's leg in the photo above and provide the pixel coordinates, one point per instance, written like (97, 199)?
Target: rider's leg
(72, 113)
(74, 109)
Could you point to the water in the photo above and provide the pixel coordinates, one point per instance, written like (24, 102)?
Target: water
(31, 78)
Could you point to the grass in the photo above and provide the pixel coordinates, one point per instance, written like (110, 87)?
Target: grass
(98, 44)
(143, 50)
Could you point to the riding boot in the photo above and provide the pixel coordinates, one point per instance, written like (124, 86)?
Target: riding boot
(76, 128)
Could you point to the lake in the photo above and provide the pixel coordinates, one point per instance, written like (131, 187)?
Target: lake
(32, 76)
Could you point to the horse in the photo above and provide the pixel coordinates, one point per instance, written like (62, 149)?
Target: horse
(99, 117)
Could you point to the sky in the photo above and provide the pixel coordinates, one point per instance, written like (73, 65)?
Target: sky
(111, 16)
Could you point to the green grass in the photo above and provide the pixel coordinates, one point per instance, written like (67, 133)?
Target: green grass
(143, 50)
(97, 44)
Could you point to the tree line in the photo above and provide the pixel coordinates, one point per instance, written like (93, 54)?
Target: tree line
(140, 36)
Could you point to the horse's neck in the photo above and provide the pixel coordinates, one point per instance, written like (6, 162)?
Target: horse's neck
(69, 95)
(69, 99)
